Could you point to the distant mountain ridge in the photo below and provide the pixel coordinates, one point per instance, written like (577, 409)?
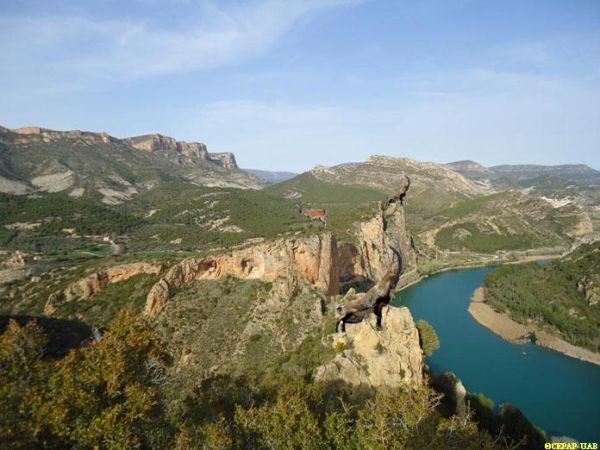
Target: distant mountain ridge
(518, 175)
(83, 163)
(560, 184)
(269, 176)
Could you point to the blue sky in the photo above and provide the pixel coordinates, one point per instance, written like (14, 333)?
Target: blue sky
(287, 85)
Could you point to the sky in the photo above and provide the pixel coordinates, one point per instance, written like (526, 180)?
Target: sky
(287, 85)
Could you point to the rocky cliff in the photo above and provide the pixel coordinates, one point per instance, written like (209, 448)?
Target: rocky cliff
(312, 259)
(369, 256)
(83, 163)
(317, 260)
(86, 287)
(365, 356)
(184, 151)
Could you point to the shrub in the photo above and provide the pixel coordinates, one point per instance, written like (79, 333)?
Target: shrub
(428, 337)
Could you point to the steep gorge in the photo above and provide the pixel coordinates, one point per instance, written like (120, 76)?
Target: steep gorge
(317, 260)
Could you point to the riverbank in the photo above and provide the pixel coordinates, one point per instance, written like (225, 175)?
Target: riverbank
(503, 326)
(416, 277)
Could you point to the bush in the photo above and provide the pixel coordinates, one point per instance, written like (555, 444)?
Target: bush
(428, 337)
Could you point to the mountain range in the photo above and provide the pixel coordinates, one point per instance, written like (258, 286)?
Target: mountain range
(100, 166)
(155, 193)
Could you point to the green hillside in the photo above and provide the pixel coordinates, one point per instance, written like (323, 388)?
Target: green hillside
(506, 221)
(563, 295)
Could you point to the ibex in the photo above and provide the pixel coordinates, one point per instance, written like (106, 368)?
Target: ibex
(373, 300)
(313, 214)
(400, 195)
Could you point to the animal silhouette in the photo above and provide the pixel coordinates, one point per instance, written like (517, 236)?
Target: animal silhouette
(373, 300)
(400, 195)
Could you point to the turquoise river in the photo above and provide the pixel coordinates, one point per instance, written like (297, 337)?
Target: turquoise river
(556, 392)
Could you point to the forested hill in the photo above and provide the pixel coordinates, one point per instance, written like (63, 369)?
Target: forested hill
(563, 296)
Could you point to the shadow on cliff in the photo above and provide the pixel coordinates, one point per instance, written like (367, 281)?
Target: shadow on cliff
(63, 335)
(360, 284)
(505, 420)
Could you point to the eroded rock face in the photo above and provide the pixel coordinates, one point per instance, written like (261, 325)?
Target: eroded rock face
(371, 257)
(187, 151)
(590, 287)
(454, 392)
(227, 160)
(391, 357)
(14, 269)
(87, 287)
(312, 260)
(317, 260)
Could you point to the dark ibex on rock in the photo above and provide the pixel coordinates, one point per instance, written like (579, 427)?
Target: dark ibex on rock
(373, 300)
(313, 214)
(400, 195)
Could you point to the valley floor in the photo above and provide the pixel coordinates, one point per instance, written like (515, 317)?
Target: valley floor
(508, 329)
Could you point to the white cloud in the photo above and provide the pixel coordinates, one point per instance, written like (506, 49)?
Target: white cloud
(88, 48)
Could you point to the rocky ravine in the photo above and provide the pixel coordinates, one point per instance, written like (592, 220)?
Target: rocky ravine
(305, 268)
(307, 275)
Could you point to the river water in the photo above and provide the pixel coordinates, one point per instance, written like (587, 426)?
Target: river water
(556, 392)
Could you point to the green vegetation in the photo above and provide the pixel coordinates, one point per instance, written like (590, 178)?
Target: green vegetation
(559, 295)
(508, 420)
(175, 217)
(103, 306)
(214, 315)
(483, 241)
(472, 205)
(503, 221)
(428, 337)
(116, 393)
(104, 394)
(345, 204)
(317, 191)
(46, 218)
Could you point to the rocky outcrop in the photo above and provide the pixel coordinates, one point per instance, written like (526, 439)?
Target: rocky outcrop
(185, 151)
(369, 257)
(226, 159)
(316, 260)
(29, 135)
(589, 286)
(312, 259)
(86, 287)
(454, 392)
(391, 357)
(388, 174)
(14, 268)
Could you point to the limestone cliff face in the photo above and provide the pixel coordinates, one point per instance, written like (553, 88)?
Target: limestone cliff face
(312, 260)
(391, 357)
(316, 260)
(186, 151)
(370, 256)
(87, 287)
(227, 160)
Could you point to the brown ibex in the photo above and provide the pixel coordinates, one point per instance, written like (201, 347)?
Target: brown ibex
(373, 300)
(400, 195)
(313, 214)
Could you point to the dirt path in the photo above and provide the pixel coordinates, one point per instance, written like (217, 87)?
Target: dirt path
(508, 329)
